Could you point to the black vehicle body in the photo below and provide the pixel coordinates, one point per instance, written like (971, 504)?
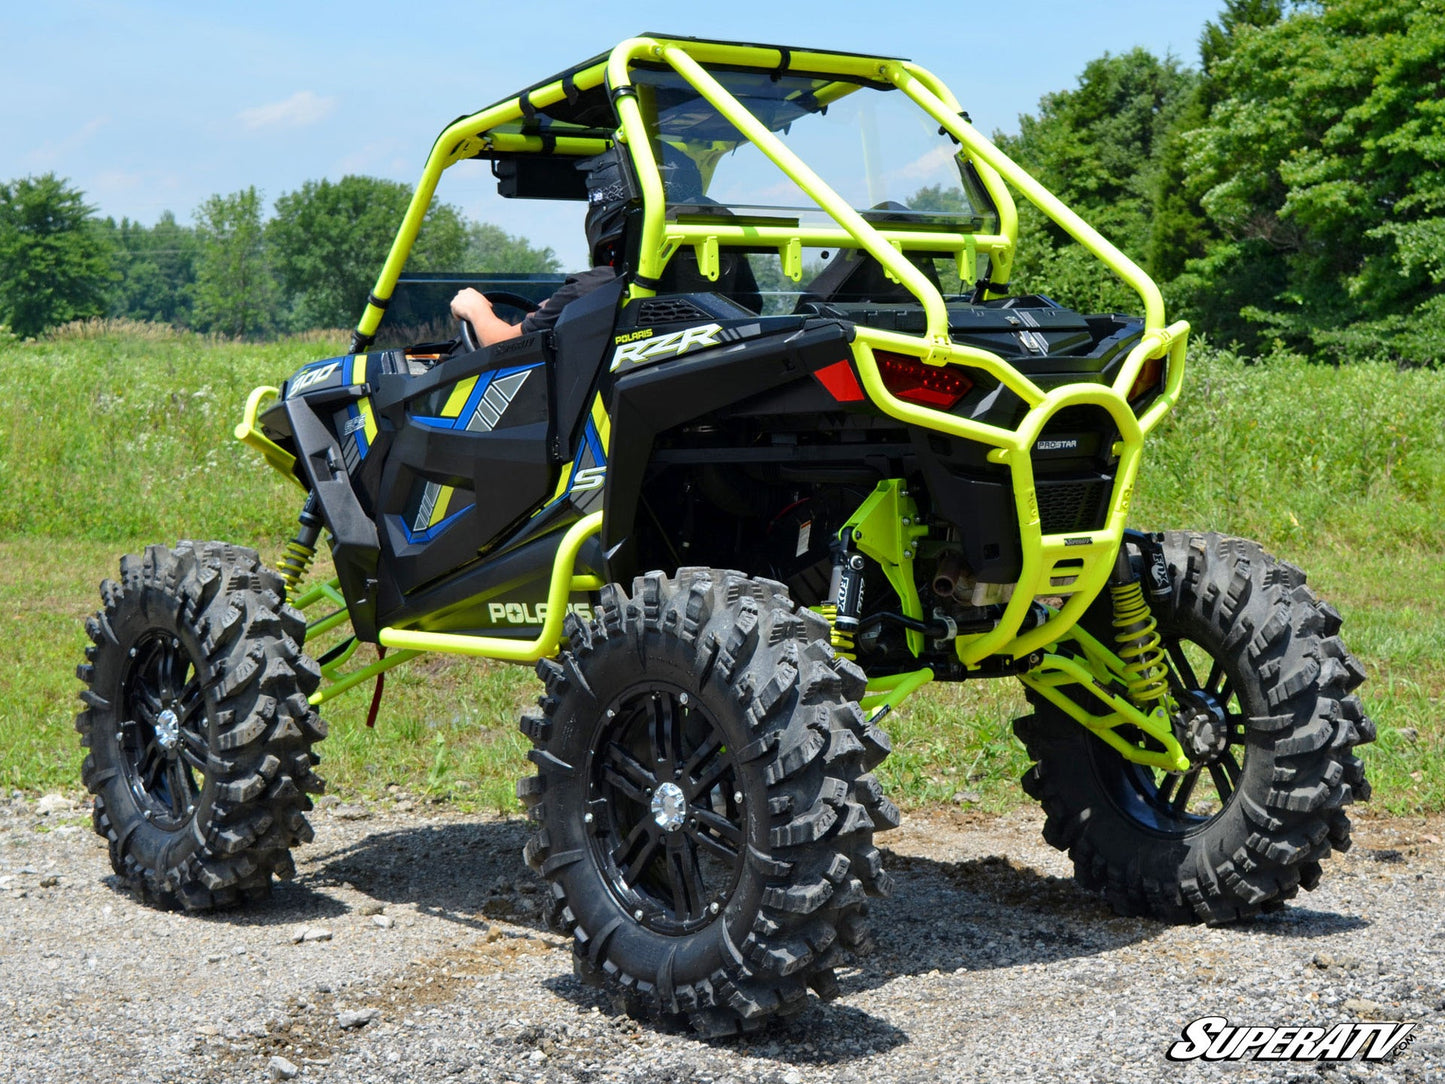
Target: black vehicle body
(821, 504)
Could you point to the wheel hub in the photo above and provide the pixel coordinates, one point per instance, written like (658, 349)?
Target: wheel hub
(669, 807)
(168, 730)
(1205, 727)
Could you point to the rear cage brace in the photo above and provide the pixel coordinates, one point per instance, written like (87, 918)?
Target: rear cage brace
(1066, 661)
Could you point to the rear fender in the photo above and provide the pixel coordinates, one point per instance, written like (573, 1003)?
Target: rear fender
(652, 400)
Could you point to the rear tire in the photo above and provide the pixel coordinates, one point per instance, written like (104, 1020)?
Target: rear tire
(1259, 651)
(198, 726)
(704, 798)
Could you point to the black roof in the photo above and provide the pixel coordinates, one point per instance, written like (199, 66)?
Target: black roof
(592, 109)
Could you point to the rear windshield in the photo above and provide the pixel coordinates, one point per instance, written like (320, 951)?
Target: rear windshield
(873, 146)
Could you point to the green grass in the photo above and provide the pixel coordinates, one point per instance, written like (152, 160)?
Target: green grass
(113, 438)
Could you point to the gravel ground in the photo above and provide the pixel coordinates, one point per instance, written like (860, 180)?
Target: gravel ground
(409, 949)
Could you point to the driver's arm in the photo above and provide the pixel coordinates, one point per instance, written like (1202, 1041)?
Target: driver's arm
(471, 306)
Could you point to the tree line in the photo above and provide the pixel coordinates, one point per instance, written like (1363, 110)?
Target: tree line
(1290, 188)
(1287, 188)
(235, 270)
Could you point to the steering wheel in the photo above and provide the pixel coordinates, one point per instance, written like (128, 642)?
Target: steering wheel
(496, 297)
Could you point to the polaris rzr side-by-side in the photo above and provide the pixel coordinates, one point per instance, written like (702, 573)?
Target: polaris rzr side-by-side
(735, 513)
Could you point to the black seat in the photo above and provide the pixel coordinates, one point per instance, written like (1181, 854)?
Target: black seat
(735, 279)
(854, 275)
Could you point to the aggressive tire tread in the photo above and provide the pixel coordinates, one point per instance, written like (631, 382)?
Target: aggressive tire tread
(1302, 723)
(223, 606)
(808, 872)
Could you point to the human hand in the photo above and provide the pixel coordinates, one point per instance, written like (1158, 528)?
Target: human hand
(472, 306)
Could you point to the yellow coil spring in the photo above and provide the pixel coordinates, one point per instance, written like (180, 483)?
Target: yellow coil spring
(1146, 671)
(842, 642)
(294, 563)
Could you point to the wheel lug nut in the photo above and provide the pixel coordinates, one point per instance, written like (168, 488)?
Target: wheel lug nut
(682, 698)
(713, 907)
(737, 797)
(637, 914)
(587, 818)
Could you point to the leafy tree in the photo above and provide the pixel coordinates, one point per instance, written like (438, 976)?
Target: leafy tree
(54, 257)
(492, 249)
(1319, 165)
(935, 197)
(156, 268)
(1096, 147)
(235, 291)
(329, 240)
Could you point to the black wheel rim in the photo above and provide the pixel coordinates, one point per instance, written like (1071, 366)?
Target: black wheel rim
(666, 809)
(1181, 803)
(163, 741)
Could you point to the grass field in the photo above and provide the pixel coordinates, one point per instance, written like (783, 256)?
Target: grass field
(112, 437)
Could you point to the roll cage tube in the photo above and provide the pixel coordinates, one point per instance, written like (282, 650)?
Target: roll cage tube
(1044, 557)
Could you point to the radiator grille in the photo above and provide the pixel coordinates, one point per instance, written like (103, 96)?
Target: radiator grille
(1069, 506)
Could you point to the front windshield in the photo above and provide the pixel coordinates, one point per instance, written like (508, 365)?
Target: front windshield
(873, 146)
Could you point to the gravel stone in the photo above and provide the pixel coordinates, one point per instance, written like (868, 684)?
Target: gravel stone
(52, 804)
(357, 1018)
(281, 1069)
(990, 965)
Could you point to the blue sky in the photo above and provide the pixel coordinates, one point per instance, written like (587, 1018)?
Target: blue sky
(155, 106)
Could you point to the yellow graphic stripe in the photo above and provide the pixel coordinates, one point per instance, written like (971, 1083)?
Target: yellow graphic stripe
(368, 417)
(458, 398)
(439, 509)
(562, 482)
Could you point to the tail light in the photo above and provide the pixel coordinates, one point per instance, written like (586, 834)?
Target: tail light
(1150, 373)
(938, 386)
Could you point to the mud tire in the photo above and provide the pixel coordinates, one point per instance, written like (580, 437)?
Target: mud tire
(1292, 681)
(202, 807)
(732, 661)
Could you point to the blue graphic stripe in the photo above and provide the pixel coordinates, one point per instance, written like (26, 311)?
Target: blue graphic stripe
(427, 535)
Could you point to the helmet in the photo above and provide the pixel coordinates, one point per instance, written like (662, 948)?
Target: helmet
(611, 192)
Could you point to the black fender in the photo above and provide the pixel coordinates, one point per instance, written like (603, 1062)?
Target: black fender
(355, 547)
(652, 400)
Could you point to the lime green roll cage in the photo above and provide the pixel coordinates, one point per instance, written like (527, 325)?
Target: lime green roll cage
(1073, 568)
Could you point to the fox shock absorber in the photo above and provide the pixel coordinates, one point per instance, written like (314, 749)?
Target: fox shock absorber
(300, 551)
(1136, 635)
(846, 590)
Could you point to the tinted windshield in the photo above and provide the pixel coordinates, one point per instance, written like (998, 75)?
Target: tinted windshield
(874, 147)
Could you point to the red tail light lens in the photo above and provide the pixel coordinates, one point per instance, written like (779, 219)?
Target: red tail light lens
(937, 386)
(1150, 373)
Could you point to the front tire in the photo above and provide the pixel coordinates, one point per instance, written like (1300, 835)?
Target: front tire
(705, 803)
(1256, 654)
(198, 726)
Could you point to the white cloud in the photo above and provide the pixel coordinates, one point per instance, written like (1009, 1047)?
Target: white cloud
(937, 161)
(55, 152)
(301, 109)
